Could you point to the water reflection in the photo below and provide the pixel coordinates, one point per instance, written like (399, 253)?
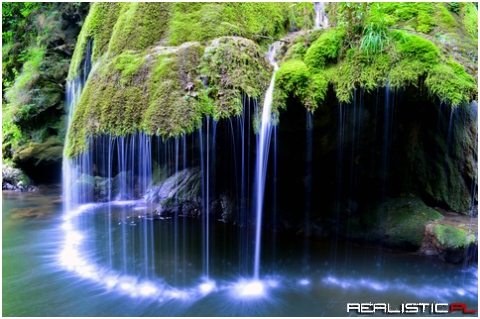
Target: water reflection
(92, 262)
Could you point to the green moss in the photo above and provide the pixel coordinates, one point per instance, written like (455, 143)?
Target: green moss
(445, 19)
(359, 70)
(451, 83)
(325, 49)
(140, 26)
(173, 108)
(159, 91)
(113, 101)
(416, 48)
(293, 78)
(233, 66)
(98, 26)
(452, 237)
(49, 151)
(296, 52)
(417, 57)
(415, 15)
(206, 21)
(317, 91)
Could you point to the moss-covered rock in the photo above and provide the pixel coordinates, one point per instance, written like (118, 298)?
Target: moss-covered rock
(392, 44)
(325, 49)
(38, 46)
(397, 222)
(160, 90)
(293, 79)
(233, 66)
(139, 84)
(47, 152)
(452, 239)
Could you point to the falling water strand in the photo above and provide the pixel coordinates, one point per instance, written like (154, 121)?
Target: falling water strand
(262, 159)
(321, 20)
(386, 137)
(449, 133)
(316, 6)
(73, 91)
(308, 188)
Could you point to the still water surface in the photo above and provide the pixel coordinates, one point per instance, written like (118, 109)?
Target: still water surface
(105, 260)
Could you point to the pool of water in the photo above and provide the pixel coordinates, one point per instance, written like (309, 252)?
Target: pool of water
(109, 260)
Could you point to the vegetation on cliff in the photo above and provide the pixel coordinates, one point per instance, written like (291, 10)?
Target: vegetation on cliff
(38, 40)
(397, 44)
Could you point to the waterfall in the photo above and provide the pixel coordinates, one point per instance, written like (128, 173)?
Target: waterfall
(262, 160)
(73, 91)
(125, 177)
(321, 20)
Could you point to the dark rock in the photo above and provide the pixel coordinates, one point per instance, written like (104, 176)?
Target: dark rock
(178, 194)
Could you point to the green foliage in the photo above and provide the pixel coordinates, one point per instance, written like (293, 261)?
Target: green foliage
(375, 39)
(325, 50)
(452, 237)
(451, 83)
(351, 17)
(305, 13)
(20, 94)
(11, 134)
(469, 15)
(454, 7)
(34, 71)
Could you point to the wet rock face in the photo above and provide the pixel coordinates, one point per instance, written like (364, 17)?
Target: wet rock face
(41, 161)
(179, 193)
